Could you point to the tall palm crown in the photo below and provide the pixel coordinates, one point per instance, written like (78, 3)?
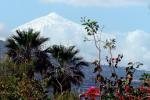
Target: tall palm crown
(67, 71)
(23, 45)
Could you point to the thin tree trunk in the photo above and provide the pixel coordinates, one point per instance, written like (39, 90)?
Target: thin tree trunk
(61, 90)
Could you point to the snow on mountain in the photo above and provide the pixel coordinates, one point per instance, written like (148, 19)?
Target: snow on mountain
(60, 31)
(2, 39)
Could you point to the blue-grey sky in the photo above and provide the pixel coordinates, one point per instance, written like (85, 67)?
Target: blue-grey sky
(126, 15)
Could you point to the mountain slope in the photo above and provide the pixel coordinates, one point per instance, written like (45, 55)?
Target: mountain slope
(57, 28)
(60, 31)
(2, 49)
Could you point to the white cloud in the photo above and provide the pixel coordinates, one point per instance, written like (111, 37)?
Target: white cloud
(1, 27)
(103, 3)
(2, 32)
(135, 47)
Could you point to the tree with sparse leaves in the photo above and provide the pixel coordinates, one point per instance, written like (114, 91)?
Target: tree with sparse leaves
(109, 86)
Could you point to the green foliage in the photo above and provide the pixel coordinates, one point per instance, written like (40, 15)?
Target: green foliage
(30, 88)
(130, 70)
(23, 45)
(8, 87)
(16, 83)
(91, 26)
(9, 68)
(66, 96)
(94, 33)
(110, 44)
(20, 88)
(145, 77)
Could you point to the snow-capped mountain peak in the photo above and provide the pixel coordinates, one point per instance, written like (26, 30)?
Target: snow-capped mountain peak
(60, 31)
(49, 21)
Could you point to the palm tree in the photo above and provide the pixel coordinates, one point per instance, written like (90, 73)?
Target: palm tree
(66, 69)
(23, 46)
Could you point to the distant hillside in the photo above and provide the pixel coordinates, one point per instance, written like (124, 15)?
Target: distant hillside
(2, 49)
(90, 76)
(106, 72)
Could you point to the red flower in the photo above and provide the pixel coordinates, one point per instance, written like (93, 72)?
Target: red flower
(144, 89)
(121, 98)
(127, 88)
(139, 98)
(131, 97)
(117, 93)
(92, 92)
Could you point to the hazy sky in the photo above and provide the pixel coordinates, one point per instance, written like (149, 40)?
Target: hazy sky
(130, 19)
(116, 15)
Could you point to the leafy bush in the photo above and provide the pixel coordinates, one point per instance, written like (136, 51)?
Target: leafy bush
(66, 96)
(20, 88)
(15, 81)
